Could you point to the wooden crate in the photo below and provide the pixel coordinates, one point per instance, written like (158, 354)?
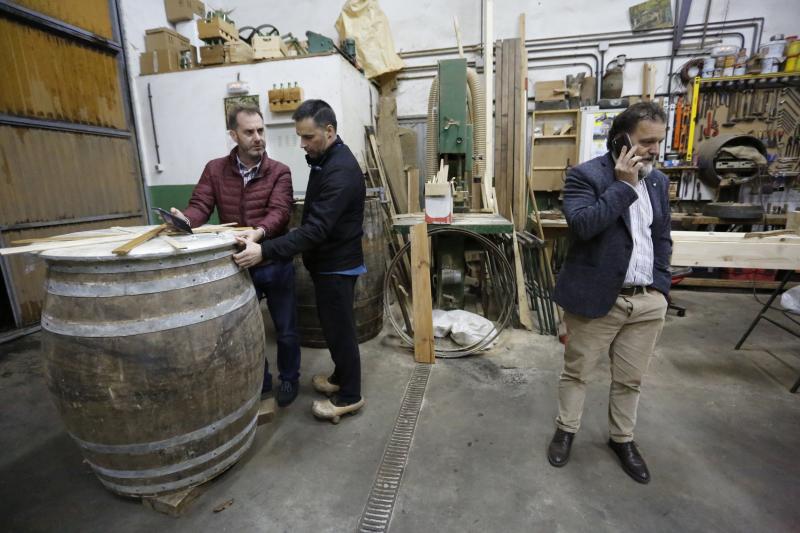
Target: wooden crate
(216, 28)
(268, 47)
(212, 54)
(216, 54)
(181, 10)
(238, 52)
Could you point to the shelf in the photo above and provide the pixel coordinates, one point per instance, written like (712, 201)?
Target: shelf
(550, 168)
(746, 77)
(555, 137)
(555, 111)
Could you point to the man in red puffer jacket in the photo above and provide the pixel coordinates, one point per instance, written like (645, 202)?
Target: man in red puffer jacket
(251, 189)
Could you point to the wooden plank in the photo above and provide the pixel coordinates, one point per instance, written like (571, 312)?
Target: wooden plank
(174, 504)
(520, 180)
(39, 247)
(525, 319)
(731, 237)
(266, 411)
(744, 254)
(488, 60)
(498, 161)
(414, 205)
(125, 249)
(424, 351)
(731, 284)
(388, 137)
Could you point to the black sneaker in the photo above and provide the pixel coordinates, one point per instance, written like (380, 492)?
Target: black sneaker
(287, 392)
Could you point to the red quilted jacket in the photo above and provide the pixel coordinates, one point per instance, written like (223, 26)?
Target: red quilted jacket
(265, 202)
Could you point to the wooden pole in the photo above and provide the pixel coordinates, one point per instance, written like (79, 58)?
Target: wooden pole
(422, 303)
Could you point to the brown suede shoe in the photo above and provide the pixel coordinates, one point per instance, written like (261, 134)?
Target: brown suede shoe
(331, 409)
(322, 384)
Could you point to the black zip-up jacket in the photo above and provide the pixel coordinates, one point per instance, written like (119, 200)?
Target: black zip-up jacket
(329, 236)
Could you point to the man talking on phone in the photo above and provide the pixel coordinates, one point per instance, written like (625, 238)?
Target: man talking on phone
(614, 283)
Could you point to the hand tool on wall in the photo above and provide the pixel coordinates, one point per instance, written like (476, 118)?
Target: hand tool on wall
(711, 129)
(729, 116)
(676, 137)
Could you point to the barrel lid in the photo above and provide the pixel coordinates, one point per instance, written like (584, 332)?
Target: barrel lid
(152, 249)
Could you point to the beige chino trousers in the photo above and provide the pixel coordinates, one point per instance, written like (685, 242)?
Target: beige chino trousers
(627, 335)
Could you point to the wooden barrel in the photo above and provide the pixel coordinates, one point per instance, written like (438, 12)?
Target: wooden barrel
(368, 304)
(155, 360)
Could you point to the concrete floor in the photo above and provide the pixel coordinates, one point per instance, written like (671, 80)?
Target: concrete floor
(719, 429)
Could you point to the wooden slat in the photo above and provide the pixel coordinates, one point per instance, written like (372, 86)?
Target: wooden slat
(520, 176)
(27, 274)
(413, 190)
(424, 351)
(726, 251)
(50, 77)
(387, 135)
(498, 94)
(731, 284)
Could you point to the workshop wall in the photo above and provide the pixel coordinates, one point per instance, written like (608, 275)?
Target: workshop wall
(428, 24)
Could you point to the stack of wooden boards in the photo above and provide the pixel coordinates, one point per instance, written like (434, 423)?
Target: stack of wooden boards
(510, 128)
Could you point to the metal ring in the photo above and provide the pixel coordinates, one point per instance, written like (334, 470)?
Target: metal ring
(506, 280)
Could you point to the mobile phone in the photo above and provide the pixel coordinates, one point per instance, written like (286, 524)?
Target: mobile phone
(623, 139)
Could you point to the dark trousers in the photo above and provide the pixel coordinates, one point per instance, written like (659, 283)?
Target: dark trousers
(276, 282)
(335, 295)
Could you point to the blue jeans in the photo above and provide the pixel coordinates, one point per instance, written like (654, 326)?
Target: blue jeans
(276, 282)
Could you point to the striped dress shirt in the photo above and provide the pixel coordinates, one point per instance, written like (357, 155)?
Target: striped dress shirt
(247, 173)
(640, 267)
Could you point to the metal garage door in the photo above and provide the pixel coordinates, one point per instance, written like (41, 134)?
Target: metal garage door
(68, 154)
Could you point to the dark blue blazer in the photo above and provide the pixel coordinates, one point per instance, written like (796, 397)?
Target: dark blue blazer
(596, 207)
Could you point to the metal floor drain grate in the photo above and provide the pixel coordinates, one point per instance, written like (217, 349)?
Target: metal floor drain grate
(383, 495)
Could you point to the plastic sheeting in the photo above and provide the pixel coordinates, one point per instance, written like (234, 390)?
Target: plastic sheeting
(790, 300)
(463, 327)
(365, 22)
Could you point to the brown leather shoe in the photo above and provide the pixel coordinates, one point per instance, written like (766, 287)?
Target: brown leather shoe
(632, 461)
(560, 446)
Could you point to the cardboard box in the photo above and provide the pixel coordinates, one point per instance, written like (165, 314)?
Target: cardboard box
(550, 90)
(180, 10)
(216, 28)
(157, 61)
(268, 47)
(165, 39)
(438, 203)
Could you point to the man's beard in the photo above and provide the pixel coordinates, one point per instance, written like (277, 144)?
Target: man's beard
(647, 168)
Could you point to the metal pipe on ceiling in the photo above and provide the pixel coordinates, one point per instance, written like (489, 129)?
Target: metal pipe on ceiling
(757, 23)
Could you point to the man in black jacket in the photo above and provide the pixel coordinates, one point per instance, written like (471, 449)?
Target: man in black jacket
(329, 237)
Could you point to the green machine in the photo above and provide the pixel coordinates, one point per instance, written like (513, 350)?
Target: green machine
(454, 134)
(454, 147)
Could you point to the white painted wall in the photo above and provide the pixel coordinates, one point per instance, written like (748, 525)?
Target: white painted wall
(190, 119)
(426, 24)
(415, 25)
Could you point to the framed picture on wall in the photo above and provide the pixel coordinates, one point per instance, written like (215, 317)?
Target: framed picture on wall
(651, 15)
(233, 101)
